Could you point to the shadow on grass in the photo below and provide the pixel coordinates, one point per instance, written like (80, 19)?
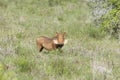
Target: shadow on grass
(57, 52)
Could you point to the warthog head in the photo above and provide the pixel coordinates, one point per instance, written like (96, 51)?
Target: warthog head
(60, 39)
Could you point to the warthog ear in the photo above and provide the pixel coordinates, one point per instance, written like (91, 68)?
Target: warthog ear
(66, 41)
(55, 41)
(56, 33)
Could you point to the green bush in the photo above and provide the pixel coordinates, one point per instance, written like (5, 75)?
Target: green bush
(110, 21)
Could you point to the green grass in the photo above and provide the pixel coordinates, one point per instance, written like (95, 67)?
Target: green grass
(22, 21)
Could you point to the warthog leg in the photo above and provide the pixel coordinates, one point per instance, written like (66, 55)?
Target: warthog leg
(41, 49)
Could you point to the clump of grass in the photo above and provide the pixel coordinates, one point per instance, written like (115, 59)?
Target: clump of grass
(59, 2)
(20, 35)
(24, 64)
(2, 68)
(25, 76)
(23, 50)
(59, 67)
(3, 4)
(94, 32)
(6, 74)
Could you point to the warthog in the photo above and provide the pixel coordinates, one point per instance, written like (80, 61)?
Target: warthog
(47, 43)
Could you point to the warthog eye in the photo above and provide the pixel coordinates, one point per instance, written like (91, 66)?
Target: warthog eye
(66, 41)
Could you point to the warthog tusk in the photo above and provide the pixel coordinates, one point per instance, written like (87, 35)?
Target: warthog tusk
(55, 41)
(66, 41)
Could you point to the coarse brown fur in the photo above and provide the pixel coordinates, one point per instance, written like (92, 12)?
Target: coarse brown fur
(47, 43)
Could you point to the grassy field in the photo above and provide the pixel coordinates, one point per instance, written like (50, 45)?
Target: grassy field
(87, 56)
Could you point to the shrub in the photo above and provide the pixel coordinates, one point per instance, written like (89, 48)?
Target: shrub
(107, 16)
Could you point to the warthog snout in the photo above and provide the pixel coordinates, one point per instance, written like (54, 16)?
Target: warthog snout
(59, 45)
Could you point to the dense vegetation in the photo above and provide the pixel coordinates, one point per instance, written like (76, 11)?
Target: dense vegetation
(89, 54)
(107, 13)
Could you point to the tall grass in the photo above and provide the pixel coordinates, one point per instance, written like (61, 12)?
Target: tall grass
(22, 21)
